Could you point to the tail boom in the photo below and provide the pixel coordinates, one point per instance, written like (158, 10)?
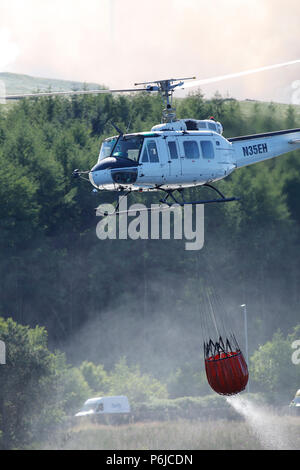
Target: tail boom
(259, 147)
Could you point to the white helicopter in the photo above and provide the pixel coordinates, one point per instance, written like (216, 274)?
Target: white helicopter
(178, 153)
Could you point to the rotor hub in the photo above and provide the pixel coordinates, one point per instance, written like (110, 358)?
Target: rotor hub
(166, 88)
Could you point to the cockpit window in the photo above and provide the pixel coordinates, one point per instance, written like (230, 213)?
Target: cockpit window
(128, 146)
(106, 148)
(89, 406)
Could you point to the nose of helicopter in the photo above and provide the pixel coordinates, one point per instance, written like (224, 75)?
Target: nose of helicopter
(99, 177)
(101, 174)
(91, 178)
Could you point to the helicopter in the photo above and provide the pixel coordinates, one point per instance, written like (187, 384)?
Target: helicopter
(177, 154)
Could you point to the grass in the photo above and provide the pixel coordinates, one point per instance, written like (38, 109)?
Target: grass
(174, 435)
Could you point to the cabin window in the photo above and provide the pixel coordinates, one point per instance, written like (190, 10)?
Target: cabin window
(173, 150)
(202, 125)
(152, 151)
(191, 149)
(145, 157)
(212, 126)
(219, 129)
(207, 149)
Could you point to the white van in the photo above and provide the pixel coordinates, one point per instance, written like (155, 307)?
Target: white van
(101, 406)
(294, 407)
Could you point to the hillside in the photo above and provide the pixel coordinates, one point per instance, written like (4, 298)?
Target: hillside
(280, 109)
(18, 83)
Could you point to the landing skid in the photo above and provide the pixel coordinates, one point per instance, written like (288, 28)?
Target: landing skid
(117, 212)
(170, 194)
(166, 205)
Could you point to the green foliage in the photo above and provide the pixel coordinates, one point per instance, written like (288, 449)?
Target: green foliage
(75, 388)
(38, 389)
(192, 408)
(272, 367)
(189, 380)
(28, 382)
(96, 377)
(138, 387)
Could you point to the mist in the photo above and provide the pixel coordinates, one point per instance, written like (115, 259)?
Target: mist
(159, 319)
(272, 432)
(118, 43)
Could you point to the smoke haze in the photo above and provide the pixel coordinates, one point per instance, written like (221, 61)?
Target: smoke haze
(117, 43)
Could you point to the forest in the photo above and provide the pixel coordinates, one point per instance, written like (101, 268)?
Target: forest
(135, 303)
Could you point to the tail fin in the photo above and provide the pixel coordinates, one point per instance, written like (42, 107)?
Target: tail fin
(256, 148)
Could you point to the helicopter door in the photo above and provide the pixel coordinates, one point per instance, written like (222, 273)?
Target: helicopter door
(151, 168)
(174, 160)
(190, 157)
(208, 156)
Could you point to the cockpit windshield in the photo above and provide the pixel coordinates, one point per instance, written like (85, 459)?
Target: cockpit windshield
(128, 146)
(106, 148)
(89, 406)
(124, 146)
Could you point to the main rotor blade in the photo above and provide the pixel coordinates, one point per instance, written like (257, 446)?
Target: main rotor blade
(59, 93)
(206, 81)
(192, 84)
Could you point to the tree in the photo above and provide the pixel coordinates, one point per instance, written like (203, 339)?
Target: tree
(38, 389)
(290, 117)
(74, 390)
(129, 381)
(188, 381)
(27, 383)
(272, 369)
(96, 377)
(193, 106)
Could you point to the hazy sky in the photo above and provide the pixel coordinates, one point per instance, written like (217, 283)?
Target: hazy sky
(118, 42)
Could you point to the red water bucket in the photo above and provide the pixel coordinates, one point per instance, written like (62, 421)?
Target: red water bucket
(227, 372)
